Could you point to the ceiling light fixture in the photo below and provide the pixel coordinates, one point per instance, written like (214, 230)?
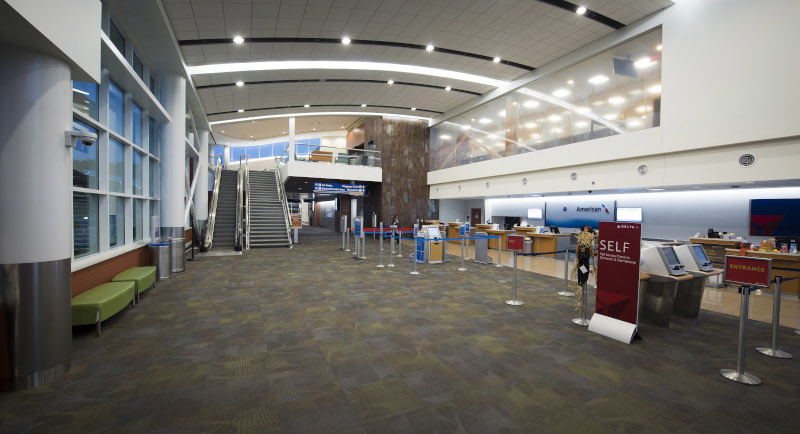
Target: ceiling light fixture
(238, 39)
(641, 109)
(308, 114)
(598, 79)
(644, 62)
(390, 81)
(363, 105)
(465, 127)
(581, 10)
(281, 65)
(485, 121)
(445, 137)
(240, 110)
(570, 81)
(616, 100)
(530, 104)
(501, 113)
(656, 189)
(659, 47)
(582, 124)
(306, 105)
(496, 60)
(554, 118)
(561, 93)
(655, 89)
(530, 125)
(448, 88)
(346, 40)
(429, 47)
(413, 108)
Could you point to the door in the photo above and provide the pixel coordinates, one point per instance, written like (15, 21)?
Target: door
(475, 216)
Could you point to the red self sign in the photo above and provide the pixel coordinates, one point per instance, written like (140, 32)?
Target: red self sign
(515, 243)
(618, 270)
(747, 270)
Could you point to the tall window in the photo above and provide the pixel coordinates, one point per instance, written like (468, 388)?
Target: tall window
(138, 66)
(116, 109)
(116, 166)
(84, 98)
(136, 134)
(116, 38)
(154, 178)
(138, 226)
(116, 221)
(84, 224)
(138, 186)
(84, 160)
(153, 135)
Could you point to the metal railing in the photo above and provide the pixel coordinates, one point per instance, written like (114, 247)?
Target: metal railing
(247, 203)
(333, 155)
(285, 204)
(239, 243)
(212, 214)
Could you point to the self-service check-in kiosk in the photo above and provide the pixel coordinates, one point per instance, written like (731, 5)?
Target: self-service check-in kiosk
(657, 299)
(690, 292)
(434, 250)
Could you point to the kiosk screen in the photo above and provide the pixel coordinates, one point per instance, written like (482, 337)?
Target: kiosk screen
(672, 258)
(700, 253)
(433, 233)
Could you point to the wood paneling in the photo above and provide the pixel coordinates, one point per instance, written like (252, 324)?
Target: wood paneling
(356, 136)
(98, 274)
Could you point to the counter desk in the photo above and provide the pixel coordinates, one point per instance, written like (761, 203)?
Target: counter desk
(495, 243)
(715, 248)
(453, 231)
(780, 260)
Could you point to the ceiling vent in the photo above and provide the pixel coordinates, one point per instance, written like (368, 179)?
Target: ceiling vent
(524, 181)
(747, 160)
(573, 176)
(642, 169)
(487, 184)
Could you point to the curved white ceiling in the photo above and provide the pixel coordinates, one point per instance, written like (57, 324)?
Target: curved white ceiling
(219, 68)
(289, 115)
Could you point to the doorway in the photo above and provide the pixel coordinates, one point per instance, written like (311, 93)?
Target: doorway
(475, 216)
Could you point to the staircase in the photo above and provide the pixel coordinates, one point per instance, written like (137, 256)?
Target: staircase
(225, 224)
(267, 217)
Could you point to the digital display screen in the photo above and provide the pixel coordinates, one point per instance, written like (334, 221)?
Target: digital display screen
(700, 253)
(774, 217)
(672, 258)
(433, 233)
(534, 213)
(629, 215)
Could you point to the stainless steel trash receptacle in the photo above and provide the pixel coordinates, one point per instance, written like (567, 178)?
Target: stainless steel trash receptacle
(160, 258)
(177, 253)
(527, 246)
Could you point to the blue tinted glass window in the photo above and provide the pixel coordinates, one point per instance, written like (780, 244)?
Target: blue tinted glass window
(116, 221)
(85, 213)
(314, 141)
(236, 153)
(84, 160)
(252, 152)
(116, 110)
(219, 151)
(301, 149)
(84, 98)
(153, 135)
(138, 186)
(116, 166)
(265, 151)
(278, 148)
(136, 135)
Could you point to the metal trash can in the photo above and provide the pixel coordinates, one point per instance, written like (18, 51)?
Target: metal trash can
(177, 253)
(527, 246)
(160, 258)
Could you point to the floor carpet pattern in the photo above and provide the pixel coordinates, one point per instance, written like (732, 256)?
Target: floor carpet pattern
(310, 340)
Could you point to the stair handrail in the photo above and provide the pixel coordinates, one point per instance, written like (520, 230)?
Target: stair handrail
(285, 204)
(212, 213)
(247, 203)
(239, 235)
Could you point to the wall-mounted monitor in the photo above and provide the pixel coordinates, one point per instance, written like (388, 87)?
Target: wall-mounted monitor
(629, 215)
(535, 213)
(775, 217)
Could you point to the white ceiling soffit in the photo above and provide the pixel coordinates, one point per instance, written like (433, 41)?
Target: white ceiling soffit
(331, 113)
(279, 127)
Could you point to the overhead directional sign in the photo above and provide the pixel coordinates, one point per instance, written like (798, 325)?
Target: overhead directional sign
(352, 189)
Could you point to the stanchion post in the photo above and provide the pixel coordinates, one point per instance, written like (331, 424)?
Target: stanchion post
(514, 301)
(566, 292)
(773, 350)
(415, 272)
(343, 237)
(391, 257)
(363, 249)
(466, 234)
(347, 235)
(739, 375)
(500, 253)
(463, 268)
(380, 250)
(582, 320)
(399, 244)
(391, 240)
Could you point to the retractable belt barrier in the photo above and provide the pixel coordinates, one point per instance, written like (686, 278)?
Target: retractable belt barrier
(773, 350)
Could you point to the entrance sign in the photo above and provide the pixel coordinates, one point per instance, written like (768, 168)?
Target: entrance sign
(515, 243)
(747, 270)
(618, 271)
(352, 189)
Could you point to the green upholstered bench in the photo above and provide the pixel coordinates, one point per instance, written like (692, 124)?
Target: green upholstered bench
(144, 277)
(101, 302)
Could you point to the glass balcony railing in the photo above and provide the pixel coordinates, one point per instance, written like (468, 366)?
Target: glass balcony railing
(333, 155)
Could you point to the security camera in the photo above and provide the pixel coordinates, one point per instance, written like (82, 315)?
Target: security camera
(73, 137)
(590, 191)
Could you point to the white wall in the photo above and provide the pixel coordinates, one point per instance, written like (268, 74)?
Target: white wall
(728, 88)
(451, 210)
(668, 215)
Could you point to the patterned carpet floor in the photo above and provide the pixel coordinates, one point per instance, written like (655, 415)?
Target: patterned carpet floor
(309, 340)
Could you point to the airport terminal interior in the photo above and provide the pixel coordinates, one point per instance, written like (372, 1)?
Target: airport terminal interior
(405, 216)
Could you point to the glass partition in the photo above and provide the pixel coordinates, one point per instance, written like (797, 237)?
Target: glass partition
(615, 92)
(333, 155)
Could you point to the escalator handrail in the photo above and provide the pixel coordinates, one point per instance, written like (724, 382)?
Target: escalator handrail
(212, 212)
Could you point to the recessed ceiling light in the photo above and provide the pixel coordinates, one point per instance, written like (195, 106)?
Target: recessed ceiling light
(641, 109)
(345, 40)
(616, 100)
(240, 83)
(655, 89)
(561, 93)
(313, 129)
(283, 132)
(223, 131)
(514, 103)
(238, 39)
(445, 137)
(240, 110)
(413, 108)
(659, 47)
(342, 126)
(582, 124)
(656, 189)
(363, 105)
(644, 62)
(485, 121)
(635, 92)
(530, 125)
(496, 60)
(556, 130)
(465, 127)
(644, 116)
(598, 79)
(634, 123)
(306, 105)
(473, 120)
(581, 10)
(251, 137)
(507, 129)
(570, 81)
(583, 110)
(554, 118)
(501, 113)
(611, 116)
(448, 88)
(429, 47)
(390, 81)
(530, 103)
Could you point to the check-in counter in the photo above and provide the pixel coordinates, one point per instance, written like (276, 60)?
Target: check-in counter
(689, 294)
(780, 260)
(430, 222)
(548, 243)
(495, 243)
(453, 231)
(657, 298)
